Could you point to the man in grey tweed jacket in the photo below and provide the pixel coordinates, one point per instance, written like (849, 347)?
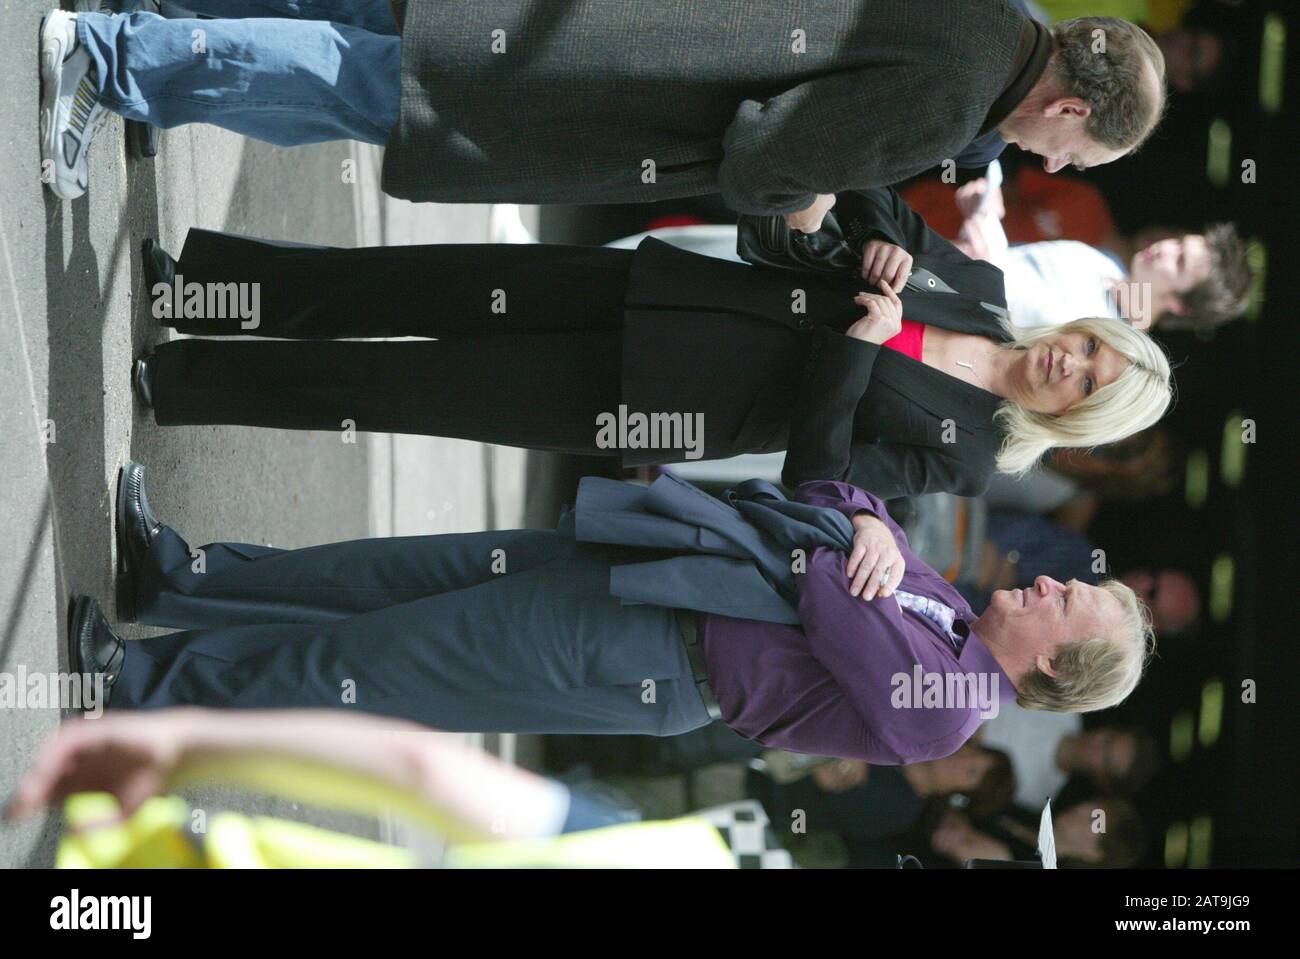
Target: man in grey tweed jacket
(778, 105)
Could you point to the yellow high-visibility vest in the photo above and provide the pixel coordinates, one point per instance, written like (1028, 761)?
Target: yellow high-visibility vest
(158, 836)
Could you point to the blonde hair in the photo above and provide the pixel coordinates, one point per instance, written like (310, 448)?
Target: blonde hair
(1095, 672)
(1137, 399)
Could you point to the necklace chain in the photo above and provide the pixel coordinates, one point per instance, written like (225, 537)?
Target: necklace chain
(971, 367)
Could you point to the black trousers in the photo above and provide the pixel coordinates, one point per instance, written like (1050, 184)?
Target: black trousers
(502, 631)
(528, 349)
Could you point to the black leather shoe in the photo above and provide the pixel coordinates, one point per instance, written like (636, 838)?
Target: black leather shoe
(136, 529)
(143, 138)
(93, 647)
(159, 267)
(142, 379)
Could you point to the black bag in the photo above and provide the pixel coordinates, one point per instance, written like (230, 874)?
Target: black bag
(835, 248)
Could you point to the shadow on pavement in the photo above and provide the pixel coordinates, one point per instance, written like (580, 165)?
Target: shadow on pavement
(74, 455)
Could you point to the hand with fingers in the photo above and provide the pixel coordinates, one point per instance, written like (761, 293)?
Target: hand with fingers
(875, 566)
(884, 319)
(810, 220)
(884, 262)
(973, 241)
(129, 755)
(970, 197)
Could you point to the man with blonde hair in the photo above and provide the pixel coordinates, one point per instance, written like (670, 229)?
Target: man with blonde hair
(807, 625)
(1074, 648)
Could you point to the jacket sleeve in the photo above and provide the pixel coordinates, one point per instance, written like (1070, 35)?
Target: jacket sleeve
(889, 218)
(822, 445)
(837, 373)
(891, 470)
(848, 130)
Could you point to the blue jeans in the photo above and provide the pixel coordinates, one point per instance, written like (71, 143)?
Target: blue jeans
(287, 71)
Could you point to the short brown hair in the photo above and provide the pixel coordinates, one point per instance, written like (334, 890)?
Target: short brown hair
(1225, 293)
(1113, 81)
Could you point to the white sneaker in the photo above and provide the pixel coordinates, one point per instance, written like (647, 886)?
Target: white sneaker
(71, 113)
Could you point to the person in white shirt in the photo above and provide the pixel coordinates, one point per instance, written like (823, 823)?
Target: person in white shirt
(1046, 749)
(1198, 280)
(1059, 277)
(1030, 737)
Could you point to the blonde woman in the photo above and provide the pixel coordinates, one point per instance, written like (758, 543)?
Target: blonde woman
(945, 409)
(653, 355)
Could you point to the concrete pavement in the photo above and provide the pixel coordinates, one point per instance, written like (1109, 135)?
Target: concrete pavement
(72, 316)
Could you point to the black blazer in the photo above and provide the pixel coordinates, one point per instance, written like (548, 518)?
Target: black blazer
(879, 419)
(706, 334)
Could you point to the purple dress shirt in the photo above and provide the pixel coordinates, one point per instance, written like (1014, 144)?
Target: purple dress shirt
(859, 680)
